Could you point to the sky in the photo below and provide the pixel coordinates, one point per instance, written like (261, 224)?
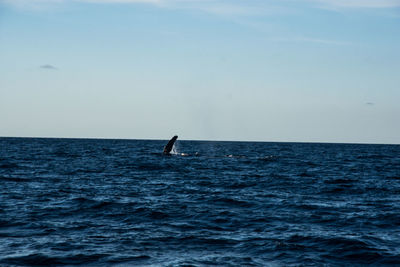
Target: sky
(248, 70)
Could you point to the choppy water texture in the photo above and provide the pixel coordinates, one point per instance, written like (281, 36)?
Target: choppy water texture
(123, 203)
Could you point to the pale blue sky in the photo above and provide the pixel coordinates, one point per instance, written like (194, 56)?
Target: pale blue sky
(306, 70)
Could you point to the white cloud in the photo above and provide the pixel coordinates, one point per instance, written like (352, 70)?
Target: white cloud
(47, 3)
(120, 1)
(312, 40)
(221, 7)
(360, 3)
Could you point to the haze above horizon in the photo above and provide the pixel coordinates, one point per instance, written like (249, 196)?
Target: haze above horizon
(246, 70)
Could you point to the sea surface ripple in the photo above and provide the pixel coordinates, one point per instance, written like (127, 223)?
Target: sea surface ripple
(96, 202)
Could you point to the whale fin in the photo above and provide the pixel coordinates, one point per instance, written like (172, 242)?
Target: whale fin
(168, 147)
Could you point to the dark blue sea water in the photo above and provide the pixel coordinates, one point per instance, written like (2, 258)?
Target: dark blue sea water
(123, 203)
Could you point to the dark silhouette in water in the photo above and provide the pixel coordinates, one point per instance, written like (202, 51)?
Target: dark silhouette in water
(123, 202)
(169, 146)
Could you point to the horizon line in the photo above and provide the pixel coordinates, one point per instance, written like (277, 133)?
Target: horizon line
(200, 140)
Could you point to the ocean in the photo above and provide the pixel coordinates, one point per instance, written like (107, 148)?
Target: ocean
(94, 202)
